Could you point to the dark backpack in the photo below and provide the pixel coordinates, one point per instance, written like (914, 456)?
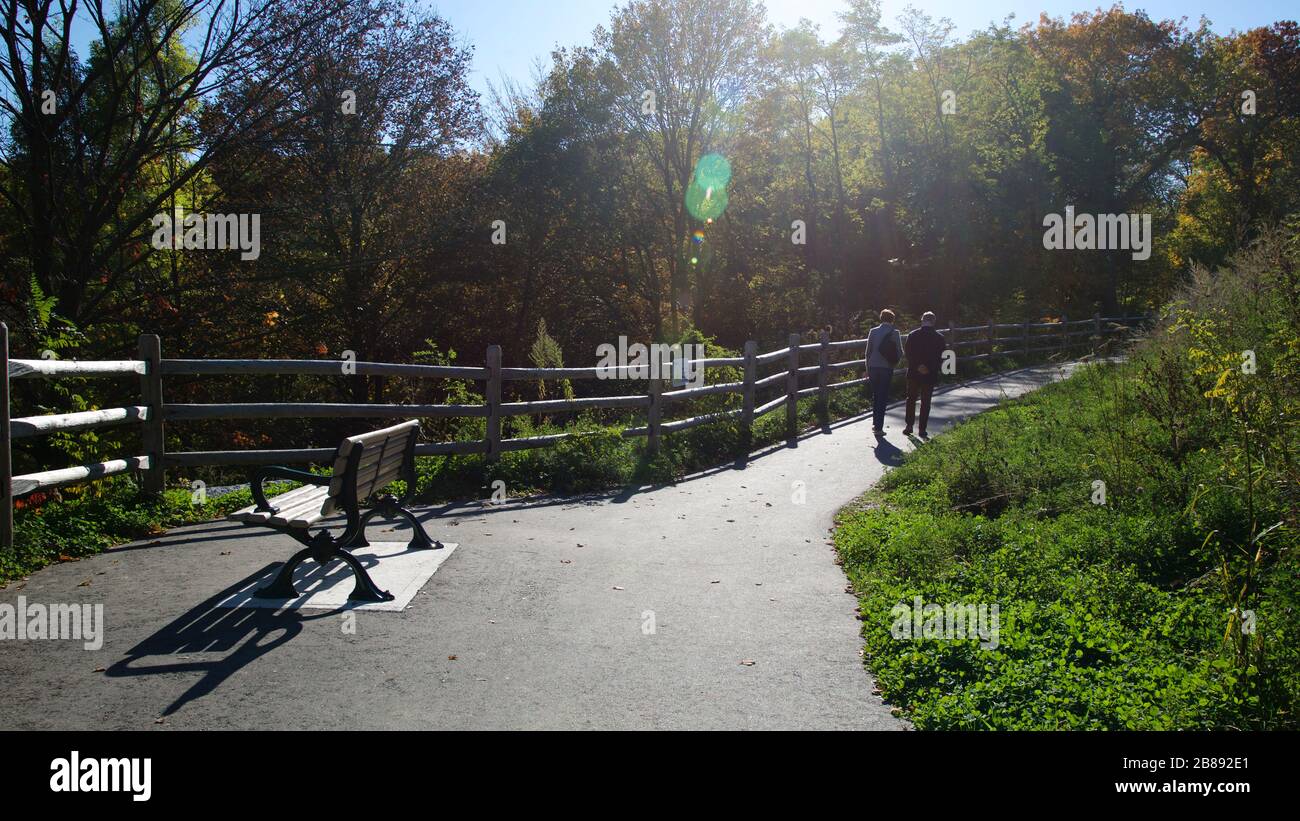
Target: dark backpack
(889, 349)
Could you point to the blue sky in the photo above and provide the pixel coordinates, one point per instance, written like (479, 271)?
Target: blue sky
(510, 35)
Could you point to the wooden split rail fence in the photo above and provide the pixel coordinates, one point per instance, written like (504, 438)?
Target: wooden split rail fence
(152, 413)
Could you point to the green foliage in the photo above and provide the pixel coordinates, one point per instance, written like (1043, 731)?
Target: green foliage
(450, 392)
(545, 353)
(51, 528)
(1127, 614)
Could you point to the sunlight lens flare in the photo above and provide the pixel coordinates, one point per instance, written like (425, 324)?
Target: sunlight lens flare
(706, 196)
(705, 203)
(713, 171)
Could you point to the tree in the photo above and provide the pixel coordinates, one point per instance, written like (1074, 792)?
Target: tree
(798, 53)
(96, 150)
(1245, 156)
(546, 353)
(700, 60)
(1121, 111)
(878, 203)
(379, 101)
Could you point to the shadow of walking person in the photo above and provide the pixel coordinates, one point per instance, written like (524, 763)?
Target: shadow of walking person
(886, 453)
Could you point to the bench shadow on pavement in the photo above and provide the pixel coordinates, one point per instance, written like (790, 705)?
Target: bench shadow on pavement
(231, 638)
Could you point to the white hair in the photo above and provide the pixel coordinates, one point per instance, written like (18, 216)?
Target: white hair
(927, 318)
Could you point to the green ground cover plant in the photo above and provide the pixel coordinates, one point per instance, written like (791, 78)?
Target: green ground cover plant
(1175, 604)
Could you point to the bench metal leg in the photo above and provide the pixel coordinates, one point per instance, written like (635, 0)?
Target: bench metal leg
(324, 550)
(365, 588)
(282, 586)
(419, 539)
(388, 507)
(360, 539)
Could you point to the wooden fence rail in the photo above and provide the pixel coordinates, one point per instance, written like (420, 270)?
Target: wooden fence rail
(153, 413)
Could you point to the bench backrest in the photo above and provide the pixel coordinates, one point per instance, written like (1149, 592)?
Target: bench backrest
(375, 459)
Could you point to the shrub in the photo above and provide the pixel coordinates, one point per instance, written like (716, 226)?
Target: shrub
(1131, 614)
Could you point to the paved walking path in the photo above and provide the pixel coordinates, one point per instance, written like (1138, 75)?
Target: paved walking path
(627, 611)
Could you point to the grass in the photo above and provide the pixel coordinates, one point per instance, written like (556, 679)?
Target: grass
(70, 527)
(1171, 602)
(1096, 630)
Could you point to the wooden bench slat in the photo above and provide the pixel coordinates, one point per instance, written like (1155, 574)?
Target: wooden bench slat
(365, 439)
(290, 509)
(295, 495)
(369, 457)
(382, 460)
(388, 473)
(377, 458)
(309, 510)
(378, 481)
(283, 499)
(307, 518)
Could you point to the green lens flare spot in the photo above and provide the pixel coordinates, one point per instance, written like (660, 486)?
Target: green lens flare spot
(713, 171)
(705, 202)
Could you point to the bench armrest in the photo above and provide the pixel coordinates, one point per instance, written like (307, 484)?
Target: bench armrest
(261, 474)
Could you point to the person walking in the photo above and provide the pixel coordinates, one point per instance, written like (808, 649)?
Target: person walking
(924, 350)
(884, 350)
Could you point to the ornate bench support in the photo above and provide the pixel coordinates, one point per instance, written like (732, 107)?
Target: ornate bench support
(323, 549)
(391, 508)
(389, 453)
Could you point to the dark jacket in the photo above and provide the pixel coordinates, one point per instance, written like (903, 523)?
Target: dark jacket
(924, 349)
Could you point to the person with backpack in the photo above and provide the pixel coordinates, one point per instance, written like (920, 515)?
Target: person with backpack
(924, 350)
(884, 350)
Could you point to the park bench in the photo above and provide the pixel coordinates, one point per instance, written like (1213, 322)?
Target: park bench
(363, 466)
